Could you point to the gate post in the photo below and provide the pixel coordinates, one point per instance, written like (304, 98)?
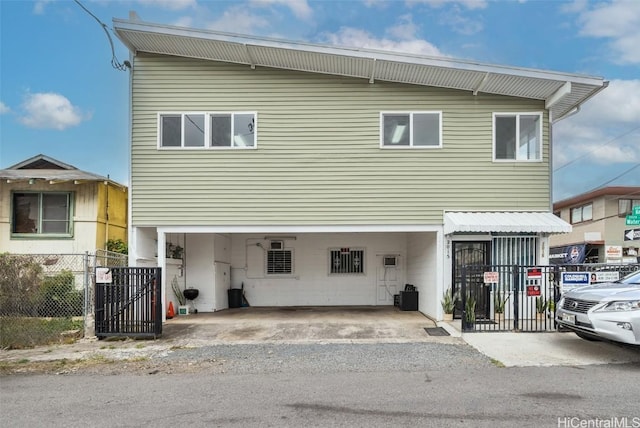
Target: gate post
(516, 299)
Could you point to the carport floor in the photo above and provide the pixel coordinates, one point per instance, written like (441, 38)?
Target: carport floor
(302, 324)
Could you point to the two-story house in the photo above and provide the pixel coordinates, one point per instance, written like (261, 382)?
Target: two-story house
(323, 175)
(600, 233)
(49, 206)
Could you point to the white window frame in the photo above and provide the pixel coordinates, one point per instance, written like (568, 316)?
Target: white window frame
(207, 130)
(582, 210)
(410, 114)
(517, 116)
(351, 252)
(280, 274)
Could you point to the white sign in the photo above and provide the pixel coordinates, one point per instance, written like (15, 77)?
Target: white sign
(569, 280)
(103, 276)
(491, 277)
(613, 251)
(604, 276)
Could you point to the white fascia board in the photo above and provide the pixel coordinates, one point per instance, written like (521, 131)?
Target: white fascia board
(370, 54)
(299, 229)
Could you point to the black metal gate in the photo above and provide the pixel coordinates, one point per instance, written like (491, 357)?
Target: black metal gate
(521, 298)
(128, 303)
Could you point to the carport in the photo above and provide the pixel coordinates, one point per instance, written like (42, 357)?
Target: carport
(312, 324)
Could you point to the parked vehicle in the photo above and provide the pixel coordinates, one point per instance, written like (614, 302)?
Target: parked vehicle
(610, 310)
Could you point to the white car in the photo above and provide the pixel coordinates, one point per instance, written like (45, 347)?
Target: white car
(610, 310)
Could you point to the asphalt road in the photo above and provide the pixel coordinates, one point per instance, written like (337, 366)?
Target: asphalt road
(427, 384)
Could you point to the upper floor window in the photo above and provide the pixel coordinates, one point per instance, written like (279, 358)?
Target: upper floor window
(417, 129)
(517, 136)
(625, 206)
(583, 213)
(41, 213)
(207, 130)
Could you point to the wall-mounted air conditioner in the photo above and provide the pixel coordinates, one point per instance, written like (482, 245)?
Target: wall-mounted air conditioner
(276, 245)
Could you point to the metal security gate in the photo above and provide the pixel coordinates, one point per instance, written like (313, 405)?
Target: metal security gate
(127, 302)
(522, 298)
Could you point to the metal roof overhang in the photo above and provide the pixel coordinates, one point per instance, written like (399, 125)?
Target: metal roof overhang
(563, 93)
(514, 222)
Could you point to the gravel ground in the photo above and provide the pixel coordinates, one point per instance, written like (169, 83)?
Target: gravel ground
(267, 358)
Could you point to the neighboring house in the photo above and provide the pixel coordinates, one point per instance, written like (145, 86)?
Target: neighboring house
(598, 218)
(321, 175)
(51, 207)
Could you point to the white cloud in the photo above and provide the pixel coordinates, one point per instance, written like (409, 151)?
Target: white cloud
(469, 4)
(237, 20)
(460, 23)
(50, 110)
(38, 7)
(617, 21)
(358, 38)
(406, 29)
(605, 131)
(300, 8)
(170, 4)
(3, 108)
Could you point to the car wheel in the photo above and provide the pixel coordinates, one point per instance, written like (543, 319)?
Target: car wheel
(587, 337)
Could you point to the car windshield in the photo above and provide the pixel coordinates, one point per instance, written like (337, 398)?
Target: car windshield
(632, 278)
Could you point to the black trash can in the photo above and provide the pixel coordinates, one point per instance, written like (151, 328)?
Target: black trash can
(235, 297)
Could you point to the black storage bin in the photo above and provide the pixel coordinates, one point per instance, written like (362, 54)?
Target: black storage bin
(408, 301)
(235, 297)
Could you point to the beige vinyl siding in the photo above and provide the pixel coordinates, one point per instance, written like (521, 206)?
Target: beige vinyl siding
(318, 159)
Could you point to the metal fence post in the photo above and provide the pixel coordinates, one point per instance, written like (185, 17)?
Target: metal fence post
(516, 299)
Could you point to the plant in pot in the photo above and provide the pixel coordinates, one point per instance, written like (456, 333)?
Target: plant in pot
(499, 301)
(182, 300)
(541, 307)
(469, 312)
(448, 303)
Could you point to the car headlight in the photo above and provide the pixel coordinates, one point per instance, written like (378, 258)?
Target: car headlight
(621, 306)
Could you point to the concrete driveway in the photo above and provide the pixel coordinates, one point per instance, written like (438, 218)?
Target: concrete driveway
(349, 324)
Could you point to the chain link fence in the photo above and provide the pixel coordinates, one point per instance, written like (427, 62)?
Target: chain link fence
(48, 298)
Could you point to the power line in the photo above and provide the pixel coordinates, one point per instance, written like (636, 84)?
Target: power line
(597, 148)
(114, 60)
(620, 175)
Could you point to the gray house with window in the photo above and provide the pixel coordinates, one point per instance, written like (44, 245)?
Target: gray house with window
(323, 175)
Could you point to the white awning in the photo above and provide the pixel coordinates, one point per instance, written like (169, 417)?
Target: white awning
(516, 222)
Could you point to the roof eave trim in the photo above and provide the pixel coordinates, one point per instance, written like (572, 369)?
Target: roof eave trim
(370, 54)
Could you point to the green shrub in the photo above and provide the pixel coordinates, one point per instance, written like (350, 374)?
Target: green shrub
(58, 296)
(20, 278)
(117, 246)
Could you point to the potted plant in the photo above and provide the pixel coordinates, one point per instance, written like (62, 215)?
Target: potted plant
(183, 309)
(541, 307)
(499, 301)
(448, 304)
(469, 312)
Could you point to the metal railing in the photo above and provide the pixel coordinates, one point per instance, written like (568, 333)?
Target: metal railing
(520, 298)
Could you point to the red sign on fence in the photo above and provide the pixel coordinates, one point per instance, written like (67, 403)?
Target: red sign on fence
(533, 290)
(534, 273)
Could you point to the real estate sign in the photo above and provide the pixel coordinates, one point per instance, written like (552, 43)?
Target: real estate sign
(569, 280)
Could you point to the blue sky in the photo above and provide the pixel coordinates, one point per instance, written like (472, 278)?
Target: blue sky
(60, 95)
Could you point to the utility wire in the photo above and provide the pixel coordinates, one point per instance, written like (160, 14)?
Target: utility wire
(114, 60)
(597, 148)
(619, 175)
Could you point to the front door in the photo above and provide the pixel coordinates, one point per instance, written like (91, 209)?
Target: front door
(471, 253)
